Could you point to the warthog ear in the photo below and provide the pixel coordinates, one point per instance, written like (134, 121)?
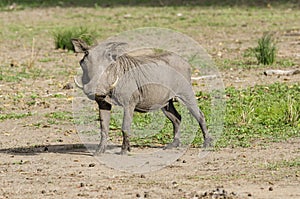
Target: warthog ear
(79, 45)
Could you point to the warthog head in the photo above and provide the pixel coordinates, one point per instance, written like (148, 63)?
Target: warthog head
(96, 59)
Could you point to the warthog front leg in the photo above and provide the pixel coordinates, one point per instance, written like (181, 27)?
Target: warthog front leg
(104, 114)
(127, 119)
(175, 118)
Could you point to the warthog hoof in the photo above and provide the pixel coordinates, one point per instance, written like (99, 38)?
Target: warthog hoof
(100, 149)
(208, 142)
(174, 144)
(125, 147)
(124, 151)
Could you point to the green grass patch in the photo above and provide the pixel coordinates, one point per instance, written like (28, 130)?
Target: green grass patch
(92, 3)
(14, 115)
(17, 74)
(283, 164)
(59, 95)
(265, 51)
(249, 62)
(261, 113)
(62, 37)
(60, 115)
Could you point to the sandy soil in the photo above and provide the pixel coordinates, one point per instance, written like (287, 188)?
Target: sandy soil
(63, 172)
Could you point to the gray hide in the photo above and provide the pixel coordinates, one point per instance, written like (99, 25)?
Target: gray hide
(138, 81)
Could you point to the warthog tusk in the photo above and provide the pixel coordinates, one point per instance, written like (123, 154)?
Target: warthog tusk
(77, 84)
(115, 83)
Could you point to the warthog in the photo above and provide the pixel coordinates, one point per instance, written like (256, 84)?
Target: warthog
(138, 81)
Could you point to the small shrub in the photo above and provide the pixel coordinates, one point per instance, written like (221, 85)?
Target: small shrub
(62, 38)
(265, 52)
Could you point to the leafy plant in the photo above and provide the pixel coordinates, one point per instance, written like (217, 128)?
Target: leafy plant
(265, 52)
(62, 38)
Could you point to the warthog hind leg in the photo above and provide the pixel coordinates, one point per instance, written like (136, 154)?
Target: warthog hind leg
(172, 114)
(191, 103)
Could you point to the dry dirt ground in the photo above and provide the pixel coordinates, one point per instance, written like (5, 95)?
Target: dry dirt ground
(42, 159)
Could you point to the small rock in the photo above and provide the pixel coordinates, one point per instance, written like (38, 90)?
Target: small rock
(92, 164)
(270, 188)
(68, 86)
(183, 161)
(224, 192)
(14, 64)
(81, 184)
(43, 192)
(126, 16)
(138, 195)
(143, 176)
(146, 194)
(108, 188)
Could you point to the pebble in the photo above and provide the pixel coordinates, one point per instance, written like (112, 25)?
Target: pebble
(68, 86)
(146, 194)
(219, 193)
(92, 164)
(143, 176)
